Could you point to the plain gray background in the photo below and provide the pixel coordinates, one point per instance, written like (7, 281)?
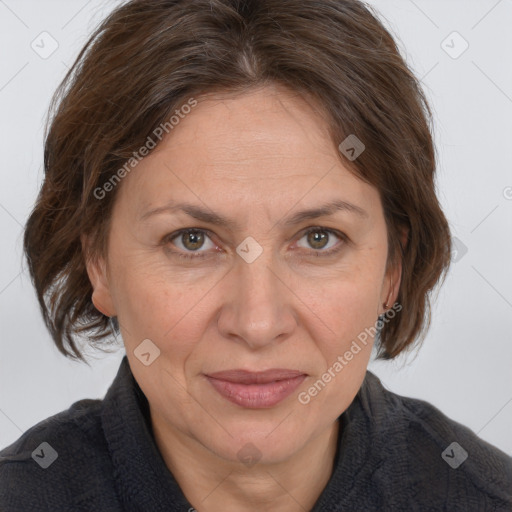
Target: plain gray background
(465, 364)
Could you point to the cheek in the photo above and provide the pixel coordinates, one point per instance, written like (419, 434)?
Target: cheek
(347, 312)
(346, 302)
(141, 295)
(152, 303)
(345, 347)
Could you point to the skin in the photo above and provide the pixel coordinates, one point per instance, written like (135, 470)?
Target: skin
(256, 158)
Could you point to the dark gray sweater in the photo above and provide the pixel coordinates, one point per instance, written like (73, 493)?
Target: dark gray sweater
(394, 454)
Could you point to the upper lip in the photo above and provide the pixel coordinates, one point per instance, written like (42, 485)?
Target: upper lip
(249, 377)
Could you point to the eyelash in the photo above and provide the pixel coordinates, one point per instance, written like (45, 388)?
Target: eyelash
(202, 255)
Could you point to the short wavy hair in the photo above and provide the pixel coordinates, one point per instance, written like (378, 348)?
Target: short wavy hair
(148, 56)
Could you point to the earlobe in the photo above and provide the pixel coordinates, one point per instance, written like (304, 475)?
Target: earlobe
(97, 272)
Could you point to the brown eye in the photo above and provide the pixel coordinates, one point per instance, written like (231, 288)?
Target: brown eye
(318, 239)
(192, 240)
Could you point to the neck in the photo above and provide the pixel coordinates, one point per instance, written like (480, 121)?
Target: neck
(213, 484)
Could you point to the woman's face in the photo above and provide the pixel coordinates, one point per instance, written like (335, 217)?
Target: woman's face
(255, 293)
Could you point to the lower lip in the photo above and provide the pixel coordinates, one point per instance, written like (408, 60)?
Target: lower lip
(256, 396)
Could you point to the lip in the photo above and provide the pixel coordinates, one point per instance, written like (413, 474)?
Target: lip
(240, 376)
(256, 390)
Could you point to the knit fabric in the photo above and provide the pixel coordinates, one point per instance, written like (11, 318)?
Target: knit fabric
(394, 454)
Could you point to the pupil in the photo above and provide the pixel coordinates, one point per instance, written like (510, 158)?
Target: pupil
(318, 237)
(195, 239)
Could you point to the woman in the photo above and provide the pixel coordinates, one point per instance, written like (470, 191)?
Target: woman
(245, 191)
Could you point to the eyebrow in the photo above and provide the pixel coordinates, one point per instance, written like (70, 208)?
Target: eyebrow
(199, 213)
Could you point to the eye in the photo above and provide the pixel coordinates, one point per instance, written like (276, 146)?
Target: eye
(318, 238)
(191, 240)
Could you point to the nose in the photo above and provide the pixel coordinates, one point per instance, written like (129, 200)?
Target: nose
(258, 304)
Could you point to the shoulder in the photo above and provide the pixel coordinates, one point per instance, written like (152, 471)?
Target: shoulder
(56, 463)
(439, 458)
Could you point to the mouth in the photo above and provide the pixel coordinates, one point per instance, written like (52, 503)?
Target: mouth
(248, 377)
(256, 390)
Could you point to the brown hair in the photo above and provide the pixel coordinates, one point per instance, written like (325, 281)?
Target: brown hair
(149, 56)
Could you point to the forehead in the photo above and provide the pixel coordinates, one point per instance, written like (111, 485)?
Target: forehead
(240, 129)
(263, 148)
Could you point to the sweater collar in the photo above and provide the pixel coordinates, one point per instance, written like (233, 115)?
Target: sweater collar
(143, 481)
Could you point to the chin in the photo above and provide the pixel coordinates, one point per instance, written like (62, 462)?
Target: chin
(263, 444)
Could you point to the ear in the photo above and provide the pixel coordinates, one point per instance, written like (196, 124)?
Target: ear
(393, 278)
(98, 275)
